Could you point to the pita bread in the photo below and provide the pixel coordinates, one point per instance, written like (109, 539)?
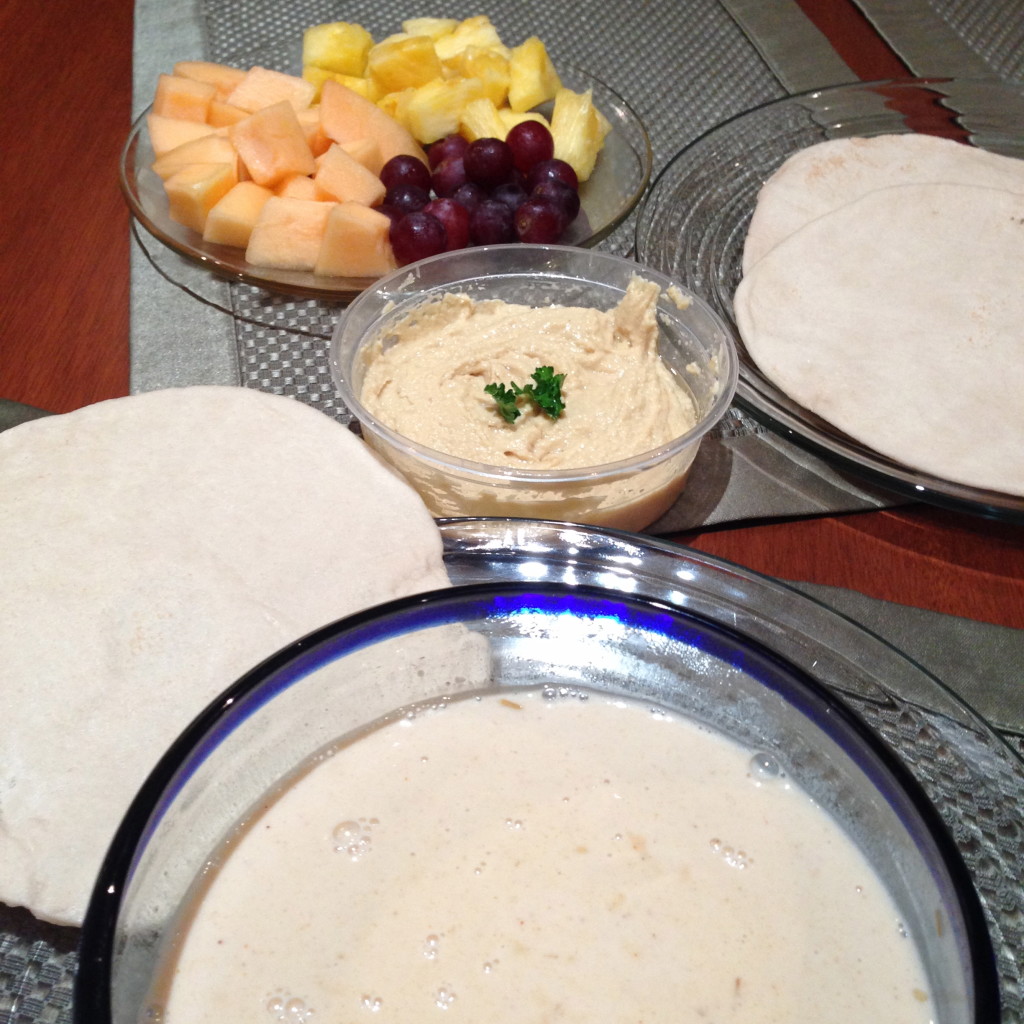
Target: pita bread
(154, 549)
(898, 318)
(821, 178)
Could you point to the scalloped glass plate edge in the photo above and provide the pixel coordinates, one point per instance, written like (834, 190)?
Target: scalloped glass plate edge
(692, 224)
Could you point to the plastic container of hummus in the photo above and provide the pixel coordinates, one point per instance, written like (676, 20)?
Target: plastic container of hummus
(645, 370)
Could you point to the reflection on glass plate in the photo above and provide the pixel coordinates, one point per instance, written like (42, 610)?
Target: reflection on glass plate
(974, 779)
(694, 222)
(620, 176)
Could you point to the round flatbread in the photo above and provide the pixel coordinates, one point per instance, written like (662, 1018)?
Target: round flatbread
(898, 318)
(154, 549)
(821, 178)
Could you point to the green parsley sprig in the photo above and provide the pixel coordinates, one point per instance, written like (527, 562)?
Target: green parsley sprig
(545, 392)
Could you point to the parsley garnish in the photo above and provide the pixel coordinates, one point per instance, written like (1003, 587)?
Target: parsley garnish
(545, 392)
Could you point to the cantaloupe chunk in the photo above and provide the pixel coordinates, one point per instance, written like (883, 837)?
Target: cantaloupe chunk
(288, 233)
(223, 114)
(207, 149)
(194, 190)
(231, 219)
(346, 116)
(167, 133)
(183, 98)
(222, 77)
(316, 139)
(366, 152)
(298, 186)
(264, 87)
(341, 177)
(355, 243)
(272, 144)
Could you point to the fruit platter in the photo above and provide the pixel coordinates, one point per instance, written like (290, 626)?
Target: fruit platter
(315, 167)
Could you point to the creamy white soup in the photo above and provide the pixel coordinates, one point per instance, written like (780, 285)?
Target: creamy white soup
(516, 858)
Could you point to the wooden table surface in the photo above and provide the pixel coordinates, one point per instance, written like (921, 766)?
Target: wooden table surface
(64, 292)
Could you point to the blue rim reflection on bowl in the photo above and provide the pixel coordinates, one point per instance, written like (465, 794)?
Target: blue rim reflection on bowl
(809, 721)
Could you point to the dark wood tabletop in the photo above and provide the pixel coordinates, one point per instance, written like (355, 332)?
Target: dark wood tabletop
(64, 300)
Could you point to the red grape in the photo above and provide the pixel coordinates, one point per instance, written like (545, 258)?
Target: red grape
(455, 219)
(389, 211)
(417, 236)
(530, 142)
(405, 170)
(540, 220)
(559, 192)
(450, 145)
(406, 198)
(469, 195)
(491, 223)
(553, 168)
(510, 193)
(488, 162)
(448, 175)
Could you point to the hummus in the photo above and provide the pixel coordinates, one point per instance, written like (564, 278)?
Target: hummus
(426, 380)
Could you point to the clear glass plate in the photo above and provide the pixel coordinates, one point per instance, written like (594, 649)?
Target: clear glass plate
(694, 221)
(620, 176)
(974, 778)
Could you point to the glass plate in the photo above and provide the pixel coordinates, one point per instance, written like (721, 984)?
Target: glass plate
(973, 777)
(694, 221)
(620, 176)
(970, 774)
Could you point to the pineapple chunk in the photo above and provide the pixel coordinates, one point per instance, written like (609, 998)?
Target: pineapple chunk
(403, 62)
(394, 105)
(578, 130)
(489, 66)
(433, 27)
(533, 79)
(481, 120)
(367, 87)
(510, 118)
(434, 110)
(339, 46)
(476, 31)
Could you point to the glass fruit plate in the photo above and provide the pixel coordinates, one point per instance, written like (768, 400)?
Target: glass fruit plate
(974, 779)
(694, 220)
(620, 176)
